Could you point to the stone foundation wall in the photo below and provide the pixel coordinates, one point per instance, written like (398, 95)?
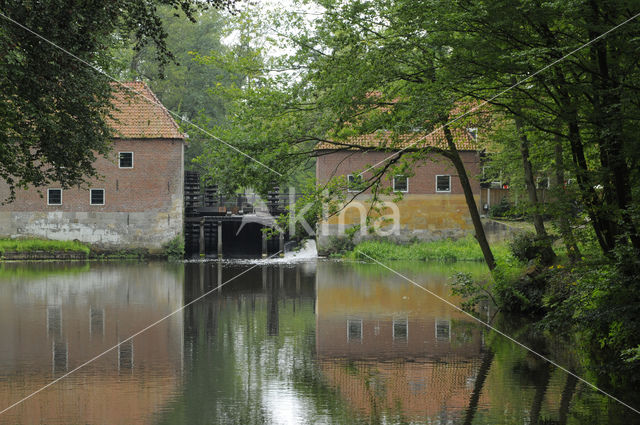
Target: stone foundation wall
(107, 230)
(415, 217)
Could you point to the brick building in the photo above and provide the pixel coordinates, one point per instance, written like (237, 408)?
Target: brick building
(433, 205)
(138, 200)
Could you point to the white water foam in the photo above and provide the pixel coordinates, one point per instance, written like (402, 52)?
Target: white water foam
(307, 253)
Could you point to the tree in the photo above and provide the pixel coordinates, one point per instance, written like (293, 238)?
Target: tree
(53, 107)
(584, 101)
(356, 72)
(183, 86)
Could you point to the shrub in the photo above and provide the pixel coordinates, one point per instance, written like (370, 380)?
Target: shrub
(464, 249)
(528, 246)
(174, 249)
(503, 209)
(520, 291)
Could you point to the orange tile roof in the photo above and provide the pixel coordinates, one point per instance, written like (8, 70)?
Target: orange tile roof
(385, 140)
(138, 114)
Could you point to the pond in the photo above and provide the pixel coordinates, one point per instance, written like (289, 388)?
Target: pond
(279, 343)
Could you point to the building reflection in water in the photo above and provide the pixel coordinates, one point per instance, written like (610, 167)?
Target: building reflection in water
(323, 342)
(389, 348)
(55, 317)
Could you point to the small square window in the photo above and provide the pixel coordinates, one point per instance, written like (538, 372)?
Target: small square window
(354, 183)
(97, 196)
(126, 159)
(401, 184)
(443, 183)
(54, 196)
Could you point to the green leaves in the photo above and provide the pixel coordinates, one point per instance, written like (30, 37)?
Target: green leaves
(52, 105)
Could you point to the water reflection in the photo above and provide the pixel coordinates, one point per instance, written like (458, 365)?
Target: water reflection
(323, 342)
(53, 318)
(392, 352)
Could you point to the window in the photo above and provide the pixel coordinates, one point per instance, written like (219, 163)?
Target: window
(400, 184)
(97, 197)
(125, 159)
(60, 356)
(54, 196)
(443, 330)
(125, 355)
(473, 132)
(542, 183)
(354, 330)
(54, 321)
(400, 330)
(96, 321)
(443, 183)
(354, 183)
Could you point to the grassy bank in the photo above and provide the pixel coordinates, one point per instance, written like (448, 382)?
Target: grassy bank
(31, 245)
(466, 249)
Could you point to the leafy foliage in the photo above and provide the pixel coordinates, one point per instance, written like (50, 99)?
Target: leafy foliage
(528, 246)
(52, 106)
(464, 249)
(472, 291)
(28, 245)
(174, 249)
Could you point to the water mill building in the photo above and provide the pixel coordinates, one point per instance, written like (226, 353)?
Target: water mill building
(137, 202)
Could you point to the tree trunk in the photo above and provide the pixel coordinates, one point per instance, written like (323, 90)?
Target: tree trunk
(563, 222)
(548, 255)
(453, 155)
(565, 399)
(608, 118)
(538, 221)
(538, 398)
(483, 372)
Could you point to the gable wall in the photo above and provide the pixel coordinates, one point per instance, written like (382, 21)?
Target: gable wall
(422, 214)
(143, 205)
(423, 180)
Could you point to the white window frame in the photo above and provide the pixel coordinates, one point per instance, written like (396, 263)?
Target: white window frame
(104, 196)
(473, 132)
(539, 180)
(54, 188)
(394, 184)
(132, 160)
(443, 175)
(349, 184)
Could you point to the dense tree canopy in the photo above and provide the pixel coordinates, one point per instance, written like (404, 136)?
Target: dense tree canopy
(52, 106)
(561, 82)
(183, 86)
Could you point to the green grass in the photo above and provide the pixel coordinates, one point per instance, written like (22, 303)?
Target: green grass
(465, 249)
(29, 245)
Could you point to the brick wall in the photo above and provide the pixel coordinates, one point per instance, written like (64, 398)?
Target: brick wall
(143, 205)
(422, 213)
(156, 177)
(422, 182)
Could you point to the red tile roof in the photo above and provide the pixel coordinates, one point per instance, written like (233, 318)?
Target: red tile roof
(138, 114)
(385, 140)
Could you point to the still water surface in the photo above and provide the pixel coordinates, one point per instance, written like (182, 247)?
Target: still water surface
(311, 342)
